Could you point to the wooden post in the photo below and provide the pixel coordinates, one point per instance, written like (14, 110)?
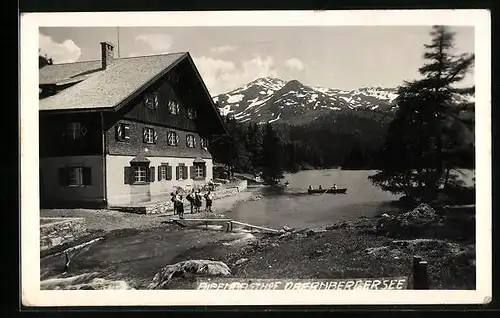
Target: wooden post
(420, 275)
(228, 227)
(66, 262)
(424, 275)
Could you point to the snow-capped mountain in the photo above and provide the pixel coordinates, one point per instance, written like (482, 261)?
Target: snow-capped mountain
(272, 99)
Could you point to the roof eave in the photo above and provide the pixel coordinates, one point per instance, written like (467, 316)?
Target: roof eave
(207, 93)
(77, 110)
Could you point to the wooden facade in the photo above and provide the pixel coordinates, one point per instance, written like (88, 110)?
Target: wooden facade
(128, 154)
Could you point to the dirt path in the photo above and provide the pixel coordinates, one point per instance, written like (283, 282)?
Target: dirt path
(108, 220)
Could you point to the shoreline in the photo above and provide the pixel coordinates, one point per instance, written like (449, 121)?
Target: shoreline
(350, 249)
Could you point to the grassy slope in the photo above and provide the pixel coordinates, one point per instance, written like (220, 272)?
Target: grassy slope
(353, 251)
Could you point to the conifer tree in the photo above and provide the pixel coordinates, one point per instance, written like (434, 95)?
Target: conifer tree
(420, 140)
(273, 155)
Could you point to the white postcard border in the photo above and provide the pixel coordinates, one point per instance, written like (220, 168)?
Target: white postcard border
(30, 249)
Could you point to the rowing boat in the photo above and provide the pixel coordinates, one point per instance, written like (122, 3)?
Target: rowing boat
(331, 191)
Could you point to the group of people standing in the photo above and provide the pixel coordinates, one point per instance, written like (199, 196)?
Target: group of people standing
(194, 198)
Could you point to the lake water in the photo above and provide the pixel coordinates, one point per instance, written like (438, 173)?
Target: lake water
(293, 207)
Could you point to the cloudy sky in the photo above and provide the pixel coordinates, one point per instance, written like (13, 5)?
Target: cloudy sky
(344, 57)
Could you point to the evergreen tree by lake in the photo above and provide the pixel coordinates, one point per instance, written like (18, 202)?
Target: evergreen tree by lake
(426, 138)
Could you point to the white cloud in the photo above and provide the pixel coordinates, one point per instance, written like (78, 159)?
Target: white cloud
(157, 43)
(223, 49)
(63, 52)
(221, 76)
(294, 64)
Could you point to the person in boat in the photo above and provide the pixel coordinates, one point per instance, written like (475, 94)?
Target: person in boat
(310, 188)
(334, 187)
(320, 188)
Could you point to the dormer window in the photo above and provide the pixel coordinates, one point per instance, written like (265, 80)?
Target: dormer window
(173, 107)
(151, 101)
(190, 141)
(191, 113)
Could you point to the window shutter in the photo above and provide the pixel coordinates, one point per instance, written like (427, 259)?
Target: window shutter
(127, 175)
(144, 134)
(177, 173)
(169, 172)
(63, 177)
(204, 171)
(152, 174)
(118, 129)
(87, 176)
(155, 136)
(176, 139)
(194, 141)
(160, 168)
(126, 131)
(192, 172)
(187, 141)
(185, 173)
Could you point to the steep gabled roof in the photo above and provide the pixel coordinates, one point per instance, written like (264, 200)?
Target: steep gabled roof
(98, 89)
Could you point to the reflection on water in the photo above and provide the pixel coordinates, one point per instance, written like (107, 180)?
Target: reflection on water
(293, 206)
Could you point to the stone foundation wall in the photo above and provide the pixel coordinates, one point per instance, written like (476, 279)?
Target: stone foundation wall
(58, 231)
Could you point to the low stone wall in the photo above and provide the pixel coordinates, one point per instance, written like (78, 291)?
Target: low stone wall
(59, 231)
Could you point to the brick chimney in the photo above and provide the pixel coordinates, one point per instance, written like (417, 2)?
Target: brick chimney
(107, 54)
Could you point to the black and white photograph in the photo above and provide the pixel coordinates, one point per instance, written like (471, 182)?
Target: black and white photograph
(185, 159)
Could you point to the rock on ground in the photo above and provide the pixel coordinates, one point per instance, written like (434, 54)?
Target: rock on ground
(188, 269)
(410, 222)
(88, 281)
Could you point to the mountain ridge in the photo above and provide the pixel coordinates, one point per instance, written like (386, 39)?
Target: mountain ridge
(270, 99)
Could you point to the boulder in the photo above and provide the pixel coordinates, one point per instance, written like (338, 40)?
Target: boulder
(287, 229)
(421, 215)
(188, 269)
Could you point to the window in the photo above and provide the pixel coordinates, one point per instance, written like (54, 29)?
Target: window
(191, 113)
(122, 132)
(164, 172)
(198, 171)
(149, 135)
(173, 107)
(75, 131)
(204, 143)
(151, 101)
(75, 176)
(182, 172)
(190, 141)
(173, 138)
(140, 173)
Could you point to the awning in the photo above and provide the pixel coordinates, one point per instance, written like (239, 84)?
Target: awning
(140, 159)
(198, 160)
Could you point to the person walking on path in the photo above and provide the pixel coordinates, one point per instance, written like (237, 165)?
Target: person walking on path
(173, 199)
(208, 199)
(180, 207)
(197, 201)
(190, 198)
